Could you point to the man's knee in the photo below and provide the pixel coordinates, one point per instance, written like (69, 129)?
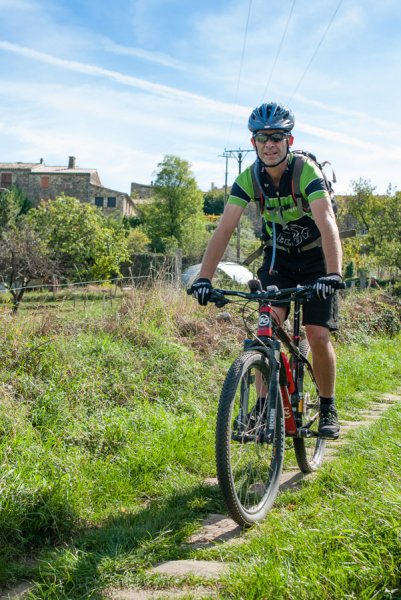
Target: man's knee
(318, 337)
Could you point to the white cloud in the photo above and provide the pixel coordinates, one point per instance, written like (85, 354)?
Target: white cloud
(93, 70)
(161, 89)
(156, 57)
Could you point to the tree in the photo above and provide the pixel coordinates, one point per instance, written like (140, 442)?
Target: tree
(13, 204)
(175, 218)
(385, 232)
(23, 257)
(378, 218)
(361, 205)
(83, 243)
(213, 202)
(138, 242)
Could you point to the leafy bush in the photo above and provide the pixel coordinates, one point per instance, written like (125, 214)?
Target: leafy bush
(369, 313)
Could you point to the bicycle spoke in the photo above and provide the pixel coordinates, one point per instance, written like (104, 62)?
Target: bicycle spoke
(309, 451)
(248, 467)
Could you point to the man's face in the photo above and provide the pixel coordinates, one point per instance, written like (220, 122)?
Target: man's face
(271, 145)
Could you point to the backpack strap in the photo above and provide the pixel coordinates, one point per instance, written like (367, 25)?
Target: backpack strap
(333, 175)
(300, 157)
(301, 203)
(260, 197)
(257, 188)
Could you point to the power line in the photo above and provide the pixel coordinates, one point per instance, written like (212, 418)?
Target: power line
(241, 63)
(239, 155)
(243, 51)
(278, 51)
(316, 51)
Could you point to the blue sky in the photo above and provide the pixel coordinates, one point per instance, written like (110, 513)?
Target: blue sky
(121, 84)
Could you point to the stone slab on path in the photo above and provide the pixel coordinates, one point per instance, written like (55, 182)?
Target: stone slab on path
(147, 594)
(17, 593)
(208, 569)
(215, 528)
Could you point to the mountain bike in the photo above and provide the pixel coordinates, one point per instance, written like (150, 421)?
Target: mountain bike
(269, 393)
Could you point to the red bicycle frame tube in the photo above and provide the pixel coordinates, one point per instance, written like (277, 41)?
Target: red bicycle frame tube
(290, 381)
(289, 421)
(287, 387)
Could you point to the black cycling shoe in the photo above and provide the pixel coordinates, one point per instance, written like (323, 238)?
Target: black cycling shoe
(252, 419)
(329, 427)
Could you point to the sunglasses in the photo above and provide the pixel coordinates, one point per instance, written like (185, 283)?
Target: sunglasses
(262, 138)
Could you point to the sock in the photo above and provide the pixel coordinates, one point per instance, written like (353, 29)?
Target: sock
(260, 402)
(326, 401)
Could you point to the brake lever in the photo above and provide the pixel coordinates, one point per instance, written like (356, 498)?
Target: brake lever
(218, 299)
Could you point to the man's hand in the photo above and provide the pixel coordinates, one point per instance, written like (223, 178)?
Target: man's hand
(201, 290)
(327, 285)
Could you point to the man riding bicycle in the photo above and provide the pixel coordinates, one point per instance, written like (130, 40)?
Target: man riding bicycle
(301, 247)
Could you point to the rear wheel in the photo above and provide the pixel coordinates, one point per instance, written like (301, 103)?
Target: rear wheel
(309, 451)
(248, 466)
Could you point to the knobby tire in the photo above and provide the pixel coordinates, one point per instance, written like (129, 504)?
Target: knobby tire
(309, 452)
(248, 469)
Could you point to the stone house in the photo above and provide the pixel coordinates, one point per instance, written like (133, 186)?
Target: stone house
(39, 181)
(141, 193)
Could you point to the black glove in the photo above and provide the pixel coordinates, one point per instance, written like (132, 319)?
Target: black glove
(327, 285)
(201, 290)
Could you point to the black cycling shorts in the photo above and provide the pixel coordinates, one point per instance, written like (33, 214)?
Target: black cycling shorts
(291, 269)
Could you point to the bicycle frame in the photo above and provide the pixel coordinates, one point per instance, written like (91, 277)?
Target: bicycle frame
(269, 392)
(288, 377)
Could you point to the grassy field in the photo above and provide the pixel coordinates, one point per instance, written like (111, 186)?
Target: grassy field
(107, 436)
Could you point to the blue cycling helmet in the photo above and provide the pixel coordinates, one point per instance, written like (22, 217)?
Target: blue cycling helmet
(271, 116)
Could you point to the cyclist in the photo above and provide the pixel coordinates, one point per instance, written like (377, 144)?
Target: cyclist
(299, 248)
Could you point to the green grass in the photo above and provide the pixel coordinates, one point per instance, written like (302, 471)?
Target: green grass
(107, 436)
(364, 370)
(339, 536)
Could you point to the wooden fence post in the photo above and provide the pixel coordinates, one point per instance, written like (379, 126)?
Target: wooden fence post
(178, 268)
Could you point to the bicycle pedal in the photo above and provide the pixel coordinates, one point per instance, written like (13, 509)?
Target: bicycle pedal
(305, 432)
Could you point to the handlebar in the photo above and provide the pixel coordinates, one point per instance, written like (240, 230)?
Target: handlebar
(270, 294)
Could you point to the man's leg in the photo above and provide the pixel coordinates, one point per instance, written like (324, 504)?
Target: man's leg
(324, 358)
(324, 368)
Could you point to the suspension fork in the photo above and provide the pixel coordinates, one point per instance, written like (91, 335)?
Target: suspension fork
(273, 395)
(297, 365)
(265, 335)
(243, 409)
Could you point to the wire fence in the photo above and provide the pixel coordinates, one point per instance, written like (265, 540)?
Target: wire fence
(100, 295)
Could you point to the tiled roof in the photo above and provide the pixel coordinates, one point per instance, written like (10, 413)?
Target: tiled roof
(107, 189)
(42, 168)
(18, 165)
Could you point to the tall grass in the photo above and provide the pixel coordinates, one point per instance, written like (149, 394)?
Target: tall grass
(97, 417)
(107, 435)
(338, 537)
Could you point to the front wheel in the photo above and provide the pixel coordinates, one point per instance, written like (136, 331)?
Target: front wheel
(248, 465)
(309, 451)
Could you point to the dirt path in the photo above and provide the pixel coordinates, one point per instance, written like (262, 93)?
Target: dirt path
(218, 528)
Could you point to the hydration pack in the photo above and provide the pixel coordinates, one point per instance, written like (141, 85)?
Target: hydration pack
(299, 159)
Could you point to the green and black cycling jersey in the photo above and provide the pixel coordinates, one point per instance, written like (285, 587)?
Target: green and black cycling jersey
(293, 230)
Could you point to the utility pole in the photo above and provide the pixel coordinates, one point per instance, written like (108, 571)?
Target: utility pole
(239, 155)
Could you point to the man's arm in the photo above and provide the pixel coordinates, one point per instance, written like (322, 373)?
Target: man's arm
(219, 240)
(325, 220)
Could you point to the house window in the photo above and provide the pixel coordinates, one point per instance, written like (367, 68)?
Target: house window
(6, 179)
(44, 182)
(111, 202)
(99, 201)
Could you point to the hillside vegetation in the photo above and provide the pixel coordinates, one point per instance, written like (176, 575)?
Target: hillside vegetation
(107, 437)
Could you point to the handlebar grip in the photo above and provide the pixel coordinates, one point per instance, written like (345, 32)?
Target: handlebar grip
(255, 285)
